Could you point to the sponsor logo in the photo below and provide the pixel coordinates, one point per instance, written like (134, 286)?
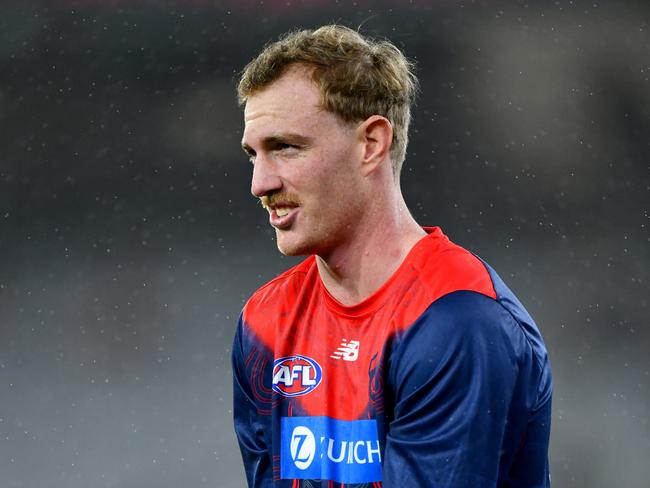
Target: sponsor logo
(345, 451)
(296, 375)
(347, 351)
(303, 447)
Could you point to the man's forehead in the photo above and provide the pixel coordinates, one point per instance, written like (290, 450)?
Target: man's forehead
(277, 121)
(294, 93)
(276, 118)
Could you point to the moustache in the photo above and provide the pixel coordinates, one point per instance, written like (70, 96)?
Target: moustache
(280, 199)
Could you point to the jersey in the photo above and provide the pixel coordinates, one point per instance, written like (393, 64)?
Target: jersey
(439, 379)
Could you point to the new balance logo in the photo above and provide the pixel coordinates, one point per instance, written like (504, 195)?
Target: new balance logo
(347, 351)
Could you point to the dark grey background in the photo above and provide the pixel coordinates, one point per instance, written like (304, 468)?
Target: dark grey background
(129, 239)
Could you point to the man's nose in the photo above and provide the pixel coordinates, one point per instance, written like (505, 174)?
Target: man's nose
(265, 179)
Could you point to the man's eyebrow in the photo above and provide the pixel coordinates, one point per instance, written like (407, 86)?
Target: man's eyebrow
(270, 141)
(285, 138)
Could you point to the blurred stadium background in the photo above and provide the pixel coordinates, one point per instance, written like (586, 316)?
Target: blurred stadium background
(129, 239)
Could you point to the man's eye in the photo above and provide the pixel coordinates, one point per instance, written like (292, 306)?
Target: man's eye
(282, 146)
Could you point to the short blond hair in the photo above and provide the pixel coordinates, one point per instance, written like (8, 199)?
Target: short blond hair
(357, 77)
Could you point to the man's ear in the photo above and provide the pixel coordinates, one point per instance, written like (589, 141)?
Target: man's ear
(376, 134)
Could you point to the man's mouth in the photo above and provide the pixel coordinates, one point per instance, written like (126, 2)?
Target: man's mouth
(282, 217)
(282, 211)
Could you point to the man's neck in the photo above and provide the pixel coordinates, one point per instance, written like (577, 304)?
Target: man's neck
(357, 269)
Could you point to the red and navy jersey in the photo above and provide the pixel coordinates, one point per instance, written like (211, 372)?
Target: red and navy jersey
(438, 379)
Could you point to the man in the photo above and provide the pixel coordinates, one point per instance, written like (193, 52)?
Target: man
(390, 356)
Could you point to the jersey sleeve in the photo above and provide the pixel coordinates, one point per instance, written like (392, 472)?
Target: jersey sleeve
(249, 422)
(459, 375)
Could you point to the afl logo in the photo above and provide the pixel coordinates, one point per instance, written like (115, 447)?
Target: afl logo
(296, 375)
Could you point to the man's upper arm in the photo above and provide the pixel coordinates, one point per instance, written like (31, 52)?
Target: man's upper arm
(464, 381)
(250, 423)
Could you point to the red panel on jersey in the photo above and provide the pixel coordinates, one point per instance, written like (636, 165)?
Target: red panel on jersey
(295, 315)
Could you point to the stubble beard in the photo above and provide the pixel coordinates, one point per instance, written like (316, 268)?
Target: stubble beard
(318, 240)
(292, 247)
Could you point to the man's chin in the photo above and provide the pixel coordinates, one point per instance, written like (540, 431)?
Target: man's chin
(290, 246)
(292, 250)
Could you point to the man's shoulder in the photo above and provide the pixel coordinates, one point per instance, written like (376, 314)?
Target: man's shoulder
(280, 290)
(470, 302)
(444, 267)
